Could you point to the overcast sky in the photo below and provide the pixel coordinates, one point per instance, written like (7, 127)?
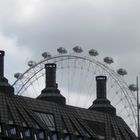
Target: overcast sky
(30, 27)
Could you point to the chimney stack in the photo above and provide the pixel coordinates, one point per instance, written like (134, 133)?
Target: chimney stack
(5, 87)
(50, 75)
(101, 103)
(101, 87)
(51, 92)
(2, 53)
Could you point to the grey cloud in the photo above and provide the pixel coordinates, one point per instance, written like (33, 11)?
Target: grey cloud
(111, 27)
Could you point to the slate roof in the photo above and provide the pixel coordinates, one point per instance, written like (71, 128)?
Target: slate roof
(18, 111)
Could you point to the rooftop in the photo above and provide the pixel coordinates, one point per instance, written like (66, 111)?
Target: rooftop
(49, 117)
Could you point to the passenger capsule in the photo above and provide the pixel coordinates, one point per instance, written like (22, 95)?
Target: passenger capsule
(18, 75)
(108, 60)
(46, 54)
(62, 50)
(31, 63)
(133, 87)
(93, 52)
(122, 72)
(77, 49)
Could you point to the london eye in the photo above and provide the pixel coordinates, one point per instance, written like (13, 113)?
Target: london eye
(76, 74)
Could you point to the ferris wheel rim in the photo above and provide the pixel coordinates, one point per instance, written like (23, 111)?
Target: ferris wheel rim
(110, 71)
(102, 65)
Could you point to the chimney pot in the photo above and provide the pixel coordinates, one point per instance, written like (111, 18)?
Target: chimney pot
(2, 53)
(50, 75)
(5, 87)
(101, 86)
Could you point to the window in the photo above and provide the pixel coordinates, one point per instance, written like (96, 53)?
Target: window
(40, 135)
(11, 131)
(67, 137)
(27, 133)
(80, 138)
(47, 119)
(54, 136)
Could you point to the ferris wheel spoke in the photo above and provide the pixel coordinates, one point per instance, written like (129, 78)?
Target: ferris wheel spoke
(114, 96)
(89, 94)
(88, 76)
(36, 79)
(76, 76)
(80, 81)
(68, 81)
(22, 90)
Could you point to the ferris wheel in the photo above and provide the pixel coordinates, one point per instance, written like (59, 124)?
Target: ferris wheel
(76, 80)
